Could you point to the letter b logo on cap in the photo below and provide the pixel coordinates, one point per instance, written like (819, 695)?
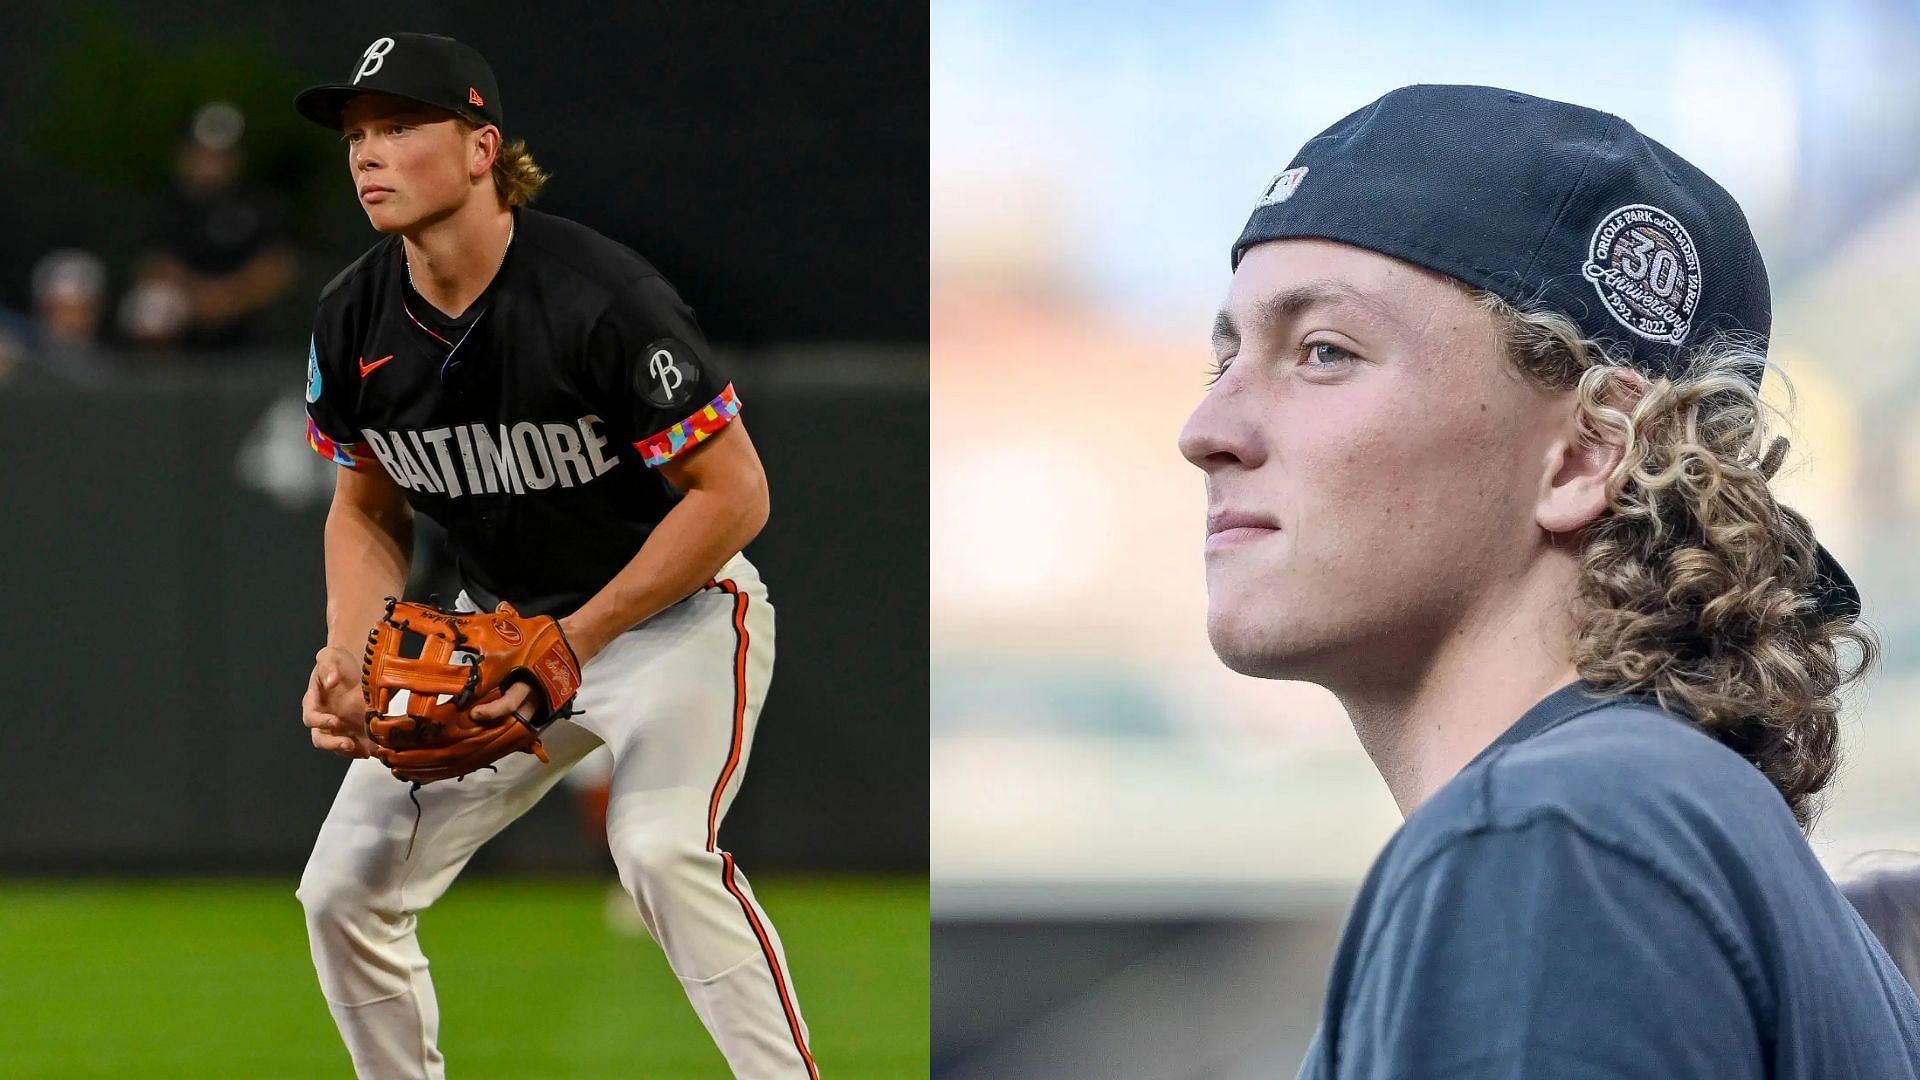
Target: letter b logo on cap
(375, 55)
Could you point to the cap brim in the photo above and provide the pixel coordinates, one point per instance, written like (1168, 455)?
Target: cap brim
(1839, 598)
(324, 104)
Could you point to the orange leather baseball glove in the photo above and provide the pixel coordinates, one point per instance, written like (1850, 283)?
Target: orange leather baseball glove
(463, 661)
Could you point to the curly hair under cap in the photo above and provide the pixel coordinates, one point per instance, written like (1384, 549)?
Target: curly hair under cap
(516, 177)
(1697, 587)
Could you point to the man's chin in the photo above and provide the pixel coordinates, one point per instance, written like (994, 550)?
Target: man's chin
(385, 223)
(387, 218)
(1262, 653)
(1259, 660)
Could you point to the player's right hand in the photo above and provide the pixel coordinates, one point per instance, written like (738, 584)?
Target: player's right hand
(335, 708)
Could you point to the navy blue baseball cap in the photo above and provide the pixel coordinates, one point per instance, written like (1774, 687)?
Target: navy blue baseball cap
(429, 68)
(1546, 205)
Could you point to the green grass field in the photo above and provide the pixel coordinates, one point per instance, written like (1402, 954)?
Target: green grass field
(151, 980)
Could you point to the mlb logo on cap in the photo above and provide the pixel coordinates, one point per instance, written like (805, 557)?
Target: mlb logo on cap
(1283, 187)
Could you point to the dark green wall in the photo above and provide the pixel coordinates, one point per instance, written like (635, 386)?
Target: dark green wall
(163, 600)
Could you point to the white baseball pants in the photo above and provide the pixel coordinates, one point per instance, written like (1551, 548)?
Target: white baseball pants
(675, 700)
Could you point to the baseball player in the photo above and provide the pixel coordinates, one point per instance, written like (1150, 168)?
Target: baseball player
(1485, 458)
(542, 393)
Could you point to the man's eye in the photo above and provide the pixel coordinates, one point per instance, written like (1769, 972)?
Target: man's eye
(1322, 354)
(1218, 368)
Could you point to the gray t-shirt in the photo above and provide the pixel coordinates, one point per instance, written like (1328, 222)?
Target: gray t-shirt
(1607, 891)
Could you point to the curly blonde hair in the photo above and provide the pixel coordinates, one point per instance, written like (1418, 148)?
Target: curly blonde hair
(1697, 588)
(516, 177)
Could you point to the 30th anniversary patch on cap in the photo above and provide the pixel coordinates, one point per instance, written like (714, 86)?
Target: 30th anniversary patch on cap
(1647, 272)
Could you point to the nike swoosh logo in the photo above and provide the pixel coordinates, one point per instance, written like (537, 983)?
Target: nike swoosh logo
(366, 369)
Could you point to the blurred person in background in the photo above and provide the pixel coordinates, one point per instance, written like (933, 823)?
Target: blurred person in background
(1888, 900)
(62, 337)
(11, 343)
(216, 255)
(1486, 458)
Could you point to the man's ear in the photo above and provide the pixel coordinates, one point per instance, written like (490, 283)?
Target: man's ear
(486, 148)
(1580, 464)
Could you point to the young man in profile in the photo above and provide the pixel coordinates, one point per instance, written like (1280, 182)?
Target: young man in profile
(1485, 457)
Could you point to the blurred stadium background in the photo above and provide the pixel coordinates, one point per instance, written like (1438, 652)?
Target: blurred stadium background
(1141, 861)
(169, 224)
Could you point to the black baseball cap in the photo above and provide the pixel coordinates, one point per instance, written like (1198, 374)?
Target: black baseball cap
(1543, 204)
(429, 68)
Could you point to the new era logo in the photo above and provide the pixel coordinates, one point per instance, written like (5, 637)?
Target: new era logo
(473, 98)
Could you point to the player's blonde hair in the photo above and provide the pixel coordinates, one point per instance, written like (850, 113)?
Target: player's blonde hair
(1696, 586)
(516, 177)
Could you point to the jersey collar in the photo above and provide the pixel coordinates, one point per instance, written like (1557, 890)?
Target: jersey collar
(1574, 699)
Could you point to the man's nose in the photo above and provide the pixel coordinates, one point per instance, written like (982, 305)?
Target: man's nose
(1219, 433)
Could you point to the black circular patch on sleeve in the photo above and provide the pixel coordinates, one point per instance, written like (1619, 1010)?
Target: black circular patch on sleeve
(666, 374)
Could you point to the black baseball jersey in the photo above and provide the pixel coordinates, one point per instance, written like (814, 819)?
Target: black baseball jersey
(531, 426)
